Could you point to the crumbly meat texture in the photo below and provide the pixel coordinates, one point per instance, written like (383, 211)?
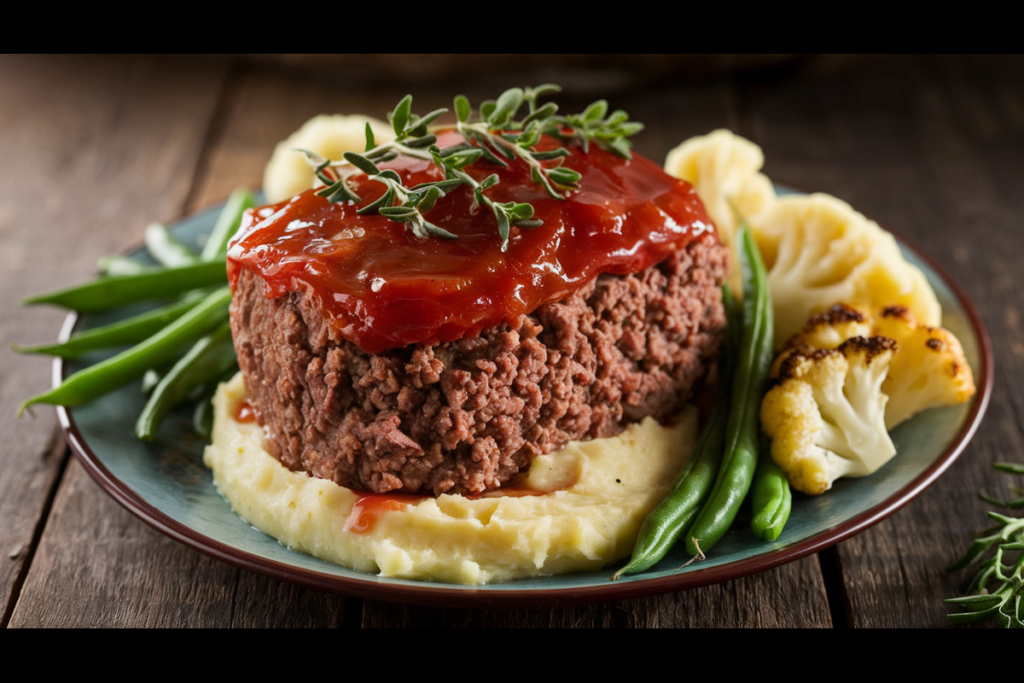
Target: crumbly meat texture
(465, 416)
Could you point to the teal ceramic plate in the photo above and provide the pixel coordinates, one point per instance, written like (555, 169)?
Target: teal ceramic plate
(166, 485)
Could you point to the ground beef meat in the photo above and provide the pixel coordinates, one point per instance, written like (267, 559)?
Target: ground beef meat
(465, 416)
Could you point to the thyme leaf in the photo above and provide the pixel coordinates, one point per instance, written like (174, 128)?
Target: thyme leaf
(499, 137)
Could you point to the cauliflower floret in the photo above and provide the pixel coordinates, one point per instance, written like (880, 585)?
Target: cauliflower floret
(818, 250)
(288, 173)
(724, 168)
(929, 371)
(825, 413)
(826, 330)
(830, 328)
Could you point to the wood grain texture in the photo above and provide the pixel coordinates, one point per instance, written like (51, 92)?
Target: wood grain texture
(790, 596)
(98, 566)
(261, 109)
(933, 148)
(100, 147)
(970, 132)
(85, 161)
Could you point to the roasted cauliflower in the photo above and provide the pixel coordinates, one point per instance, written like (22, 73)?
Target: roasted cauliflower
(929, 371)
(912, 367)
(725, 170)
(831, 327)
(825, 412)
(818, 251)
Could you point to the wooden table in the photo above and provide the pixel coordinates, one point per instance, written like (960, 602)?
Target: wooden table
(94, 148)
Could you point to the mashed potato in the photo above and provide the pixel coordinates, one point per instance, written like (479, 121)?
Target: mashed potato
(597, 494)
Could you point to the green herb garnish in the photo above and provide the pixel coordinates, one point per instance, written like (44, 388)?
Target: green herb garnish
(998, 589)
(498, 137)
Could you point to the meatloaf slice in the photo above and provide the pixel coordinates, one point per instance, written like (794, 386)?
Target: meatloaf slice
(465, 416)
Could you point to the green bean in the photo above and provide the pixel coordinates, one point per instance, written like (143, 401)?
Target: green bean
(166, 249)
(97, 380)
(208, 359)
(740, 458)
(154, 283)
(129, 331)
(216, 247)
(770, 496)
(117, 266)
(674, 515)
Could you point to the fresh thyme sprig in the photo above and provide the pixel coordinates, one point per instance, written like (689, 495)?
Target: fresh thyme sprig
(411, 136)
(498, 137)
(998, 589)
(610, 132)
(503, 139)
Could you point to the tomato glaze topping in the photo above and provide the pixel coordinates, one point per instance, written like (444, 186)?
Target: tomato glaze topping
(387, 288)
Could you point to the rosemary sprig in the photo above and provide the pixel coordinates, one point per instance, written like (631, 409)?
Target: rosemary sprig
(498, 137)
(998, 588)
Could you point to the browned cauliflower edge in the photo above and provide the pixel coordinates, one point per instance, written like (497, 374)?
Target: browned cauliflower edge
(929, 371)
(825, 412)
(826, 365)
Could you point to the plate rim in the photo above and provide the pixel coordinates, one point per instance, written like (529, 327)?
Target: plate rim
(438, 594)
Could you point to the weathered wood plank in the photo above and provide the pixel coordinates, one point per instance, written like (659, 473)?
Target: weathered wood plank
(263, 108)
(98, 566)
(94, 149)
(970, 133)
(790, 596)
(111, 570)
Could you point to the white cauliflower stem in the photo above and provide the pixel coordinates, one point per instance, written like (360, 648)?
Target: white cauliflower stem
(826, 413)
(837, 391)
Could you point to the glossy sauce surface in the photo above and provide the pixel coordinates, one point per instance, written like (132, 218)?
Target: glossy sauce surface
(370, 506)
(245, 413)
(386, 288)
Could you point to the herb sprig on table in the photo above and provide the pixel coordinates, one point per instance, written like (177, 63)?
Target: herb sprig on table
(498, 138)
(998, 589)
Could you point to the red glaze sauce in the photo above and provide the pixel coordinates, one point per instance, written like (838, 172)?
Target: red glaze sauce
(245, 413)
(370, 506)
(388, 289)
